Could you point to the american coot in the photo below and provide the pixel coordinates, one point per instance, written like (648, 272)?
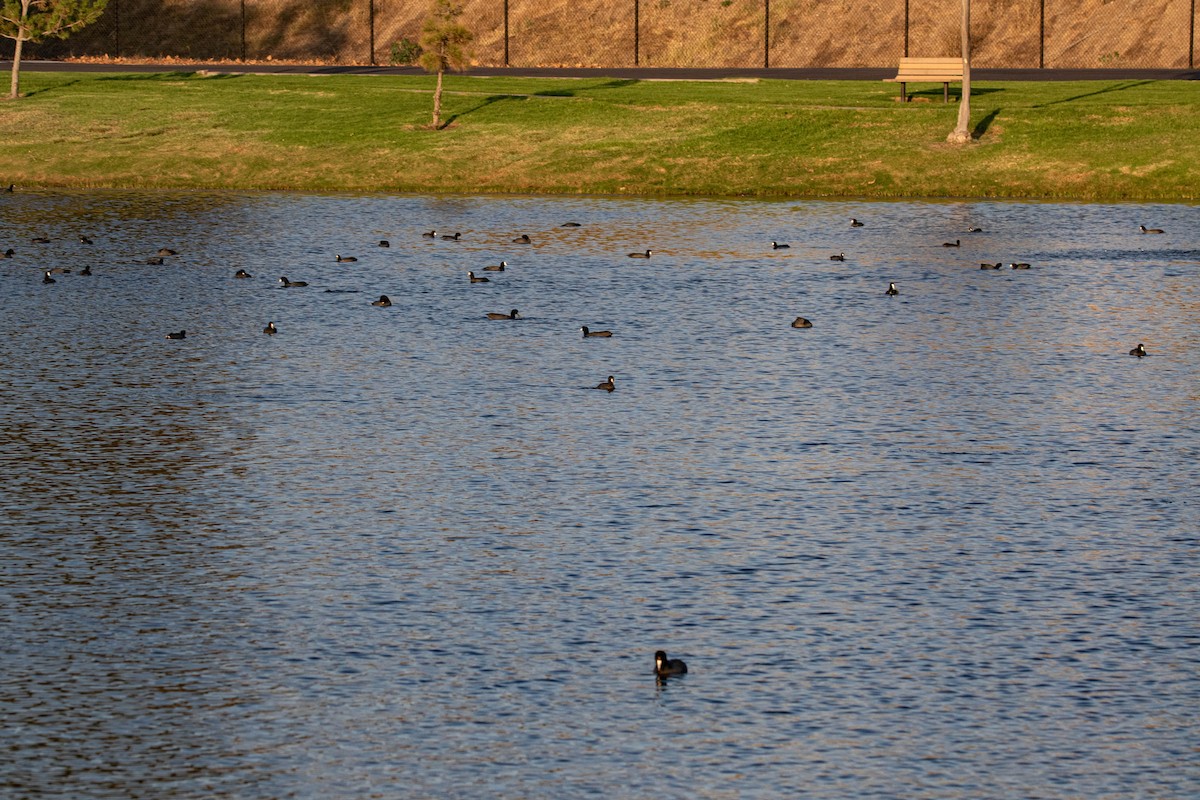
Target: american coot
(955, 243)
(180, 335)
(892, 290)
(454, 237)
(523, 239)
(1021, 265)
(855, 223)
(382, 302)
(430, 234)
(270, 329)
(384, 243)
(1138, 351)
(640, 255)
(664, 666)
(10, 188)
(475, 279)
(85, 240)
(990, 266)
(607, 385)
(289, 284)
(511, 315)
(241, 273)
(599, 334)
(47, 279)
(9, 253)
(801, 322)
(838, 257)
(496, 267)
(340, 257)
(156, 261)
(1144, 229)
(86, 270)
(778, 246)
(973, 229)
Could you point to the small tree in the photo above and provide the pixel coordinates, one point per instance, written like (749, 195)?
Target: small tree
(444, 42)
(33, 20)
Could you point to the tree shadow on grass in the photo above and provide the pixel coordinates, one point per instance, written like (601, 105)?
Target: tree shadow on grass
(614, 84)
(496, 98)
(982, 126)
(171, 76)
(1116, 88)
(932, 94)
(53, 88)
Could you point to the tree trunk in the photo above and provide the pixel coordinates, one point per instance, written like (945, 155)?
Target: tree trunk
(962, 133)
(15, 91)
(437, 102)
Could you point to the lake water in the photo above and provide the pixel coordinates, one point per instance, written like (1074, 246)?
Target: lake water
(940, 545)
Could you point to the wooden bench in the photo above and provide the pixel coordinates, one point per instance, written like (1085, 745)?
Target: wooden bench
(928, 70)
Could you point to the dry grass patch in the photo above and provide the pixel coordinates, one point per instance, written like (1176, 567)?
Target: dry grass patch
(299, 93)
(1146, 169)
(1108, 121)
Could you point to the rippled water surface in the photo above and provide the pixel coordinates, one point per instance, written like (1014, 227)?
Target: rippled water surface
(940, 545)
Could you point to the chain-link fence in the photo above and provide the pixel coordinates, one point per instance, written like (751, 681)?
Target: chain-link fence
(1076, 34)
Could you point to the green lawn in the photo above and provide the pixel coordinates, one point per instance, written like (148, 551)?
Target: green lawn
(1089, 140)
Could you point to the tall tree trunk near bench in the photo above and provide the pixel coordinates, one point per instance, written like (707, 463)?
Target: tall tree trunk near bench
(962, 132)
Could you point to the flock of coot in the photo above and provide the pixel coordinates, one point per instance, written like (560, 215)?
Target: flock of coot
(892, 291)
(663, 666)
(606, 385)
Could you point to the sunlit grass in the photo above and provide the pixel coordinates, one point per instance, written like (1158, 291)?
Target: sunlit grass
(1088, 140)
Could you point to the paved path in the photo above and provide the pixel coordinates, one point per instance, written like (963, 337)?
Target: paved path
(632, 73)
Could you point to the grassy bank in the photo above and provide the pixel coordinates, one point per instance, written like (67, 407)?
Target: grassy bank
(1090, 140)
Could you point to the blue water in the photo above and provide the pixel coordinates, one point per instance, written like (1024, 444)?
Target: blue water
(940, 545)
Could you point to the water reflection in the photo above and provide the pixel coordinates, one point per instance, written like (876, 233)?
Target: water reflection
(937, 541)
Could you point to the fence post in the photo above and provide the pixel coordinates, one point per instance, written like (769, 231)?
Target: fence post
(1042, 34)
(506, 33)
(243, 30)
(906, 28)
(117, 16)
(371, 23)
(637, 32)
(766, 34)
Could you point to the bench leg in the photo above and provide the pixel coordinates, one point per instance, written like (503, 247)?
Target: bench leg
(903, 92)
(946, 92)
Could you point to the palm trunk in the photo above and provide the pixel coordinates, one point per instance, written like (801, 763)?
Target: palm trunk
(962, 132)
(437, 102)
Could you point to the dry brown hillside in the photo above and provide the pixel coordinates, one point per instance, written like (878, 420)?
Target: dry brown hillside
(670, 33)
